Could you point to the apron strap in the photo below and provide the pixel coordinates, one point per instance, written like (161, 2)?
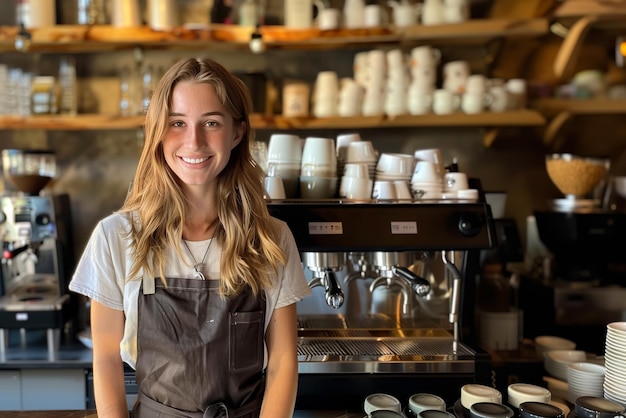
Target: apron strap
(148, 286)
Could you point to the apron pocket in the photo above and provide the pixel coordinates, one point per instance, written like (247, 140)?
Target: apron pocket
(246, 341)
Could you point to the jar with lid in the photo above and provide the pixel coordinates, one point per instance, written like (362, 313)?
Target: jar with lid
(44, 97)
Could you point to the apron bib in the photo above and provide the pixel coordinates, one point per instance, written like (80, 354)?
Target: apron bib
(198, 354)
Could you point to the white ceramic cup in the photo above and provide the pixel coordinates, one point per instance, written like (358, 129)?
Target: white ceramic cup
(299, 14)
(456, 11)
(395, 164)
(445, 102)
(500, 101)
(455, 181)
(343, 140)
(426, 401)
(284, 148)
(361, 151)
(319, 151)
(426, 172)
(381, 401)
(356, 170)
(475, 102)
(350, 99)
(355, 187)
(403, 191)
(328, 19)
(425, 55)
(420, 99)
(455, 74)
(434, 155)
(36, 13)
(274, 187)
(384, 190)
(296, 97)
(374, 16)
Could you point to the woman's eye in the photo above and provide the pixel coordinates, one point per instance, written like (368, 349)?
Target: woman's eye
(211, 123)
(177, 124)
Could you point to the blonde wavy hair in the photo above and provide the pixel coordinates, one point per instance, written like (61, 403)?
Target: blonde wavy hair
(157, 205)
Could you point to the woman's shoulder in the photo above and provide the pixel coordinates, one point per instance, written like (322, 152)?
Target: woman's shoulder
(115, 224)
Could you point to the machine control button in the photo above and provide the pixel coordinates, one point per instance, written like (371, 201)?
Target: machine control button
(470, 224)
(42, 219)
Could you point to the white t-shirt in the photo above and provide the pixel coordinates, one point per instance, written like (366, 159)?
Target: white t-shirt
(102, 272)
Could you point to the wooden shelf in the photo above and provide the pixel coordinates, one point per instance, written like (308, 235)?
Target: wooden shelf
(98, 38)
(104, 122)
(477, 30)
(561, 111)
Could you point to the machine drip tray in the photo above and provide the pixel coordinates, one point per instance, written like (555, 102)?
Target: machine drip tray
(338, 344)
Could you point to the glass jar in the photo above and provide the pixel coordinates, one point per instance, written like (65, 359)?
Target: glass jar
(43, 98)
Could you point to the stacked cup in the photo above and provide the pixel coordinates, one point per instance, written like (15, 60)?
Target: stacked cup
(396, 84)
(362, 152)
(426, 182)
(373, 99)
(423, 66)
(284, 156)
(395, 169)
(350, 98)
(342, 141)
(355, 182)
(318, 173)
(476, 98)
(326, 94)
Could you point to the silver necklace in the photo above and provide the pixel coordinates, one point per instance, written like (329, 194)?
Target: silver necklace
(198, 267)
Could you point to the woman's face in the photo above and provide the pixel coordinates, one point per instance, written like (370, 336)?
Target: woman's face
(201, 134)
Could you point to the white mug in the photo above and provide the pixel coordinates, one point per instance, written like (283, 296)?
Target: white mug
(375, 16)
(299, 14)
(162, 14)
(328, 19)
(445, 102)
(455, 74)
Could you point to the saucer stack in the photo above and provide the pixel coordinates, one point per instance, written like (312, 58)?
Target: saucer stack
(584, 379)
(615, 363)
(556, 361)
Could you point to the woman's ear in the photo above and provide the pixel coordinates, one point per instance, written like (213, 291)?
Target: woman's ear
(239, 132)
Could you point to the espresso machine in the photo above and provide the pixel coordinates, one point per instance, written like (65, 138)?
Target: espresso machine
(581, 286)
(392, 309)
(35, 232)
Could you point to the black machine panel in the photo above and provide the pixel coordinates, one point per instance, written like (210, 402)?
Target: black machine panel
(387, 226)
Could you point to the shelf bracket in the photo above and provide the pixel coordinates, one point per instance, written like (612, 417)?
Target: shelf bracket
(552, 136)
(490, 136)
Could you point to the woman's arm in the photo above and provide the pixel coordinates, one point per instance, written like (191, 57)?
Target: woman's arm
(107, 330)
(282, 367)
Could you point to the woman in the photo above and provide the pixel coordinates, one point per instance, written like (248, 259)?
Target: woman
(192, 282)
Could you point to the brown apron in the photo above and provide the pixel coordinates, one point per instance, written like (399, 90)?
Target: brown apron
(198, 354)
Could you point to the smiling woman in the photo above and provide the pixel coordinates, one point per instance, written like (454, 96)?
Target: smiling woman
(166, 298)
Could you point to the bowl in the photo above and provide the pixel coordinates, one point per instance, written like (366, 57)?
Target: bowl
(28, 170)
(574, 175)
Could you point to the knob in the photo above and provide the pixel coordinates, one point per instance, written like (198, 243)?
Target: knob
(470, 224)
(42, 219)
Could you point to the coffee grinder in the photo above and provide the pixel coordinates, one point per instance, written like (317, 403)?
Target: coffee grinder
(35, 232)
(585, 287)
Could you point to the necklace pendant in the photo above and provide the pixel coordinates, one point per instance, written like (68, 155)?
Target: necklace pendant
(198, 272)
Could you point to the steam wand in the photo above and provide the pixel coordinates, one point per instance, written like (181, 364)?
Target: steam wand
(455, 299)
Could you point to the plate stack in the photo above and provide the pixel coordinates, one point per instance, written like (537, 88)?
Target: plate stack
(615, 362)
(556, 361)
(584, 379)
